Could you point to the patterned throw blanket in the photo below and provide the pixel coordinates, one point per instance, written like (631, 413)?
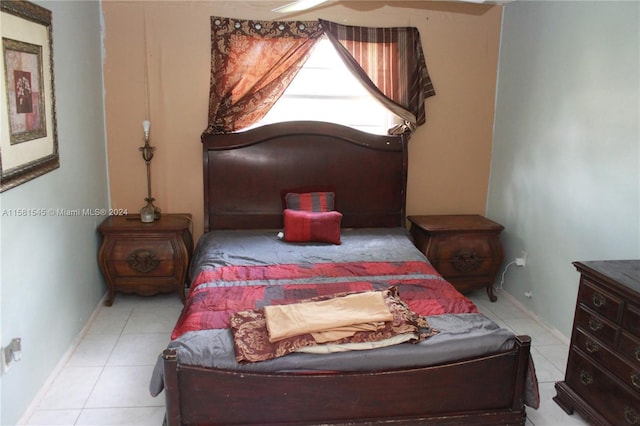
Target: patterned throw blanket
(252, 335)
(218, 293)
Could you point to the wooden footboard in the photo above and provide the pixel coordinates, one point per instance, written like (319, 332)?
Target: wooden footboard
(488, 390)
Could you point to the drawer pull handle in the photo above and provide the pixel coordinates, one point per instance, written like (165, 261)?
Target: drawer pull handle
(598, 300)
(465, 260)
(586, 378)
(635, 380)
(143, 261)
(595, 325)
(631, 416)
(637, 353)
(592, 347)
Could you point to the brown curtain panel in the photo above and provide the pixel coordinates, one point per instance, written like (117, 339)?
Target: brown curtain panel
(252, 63)
(390, 63)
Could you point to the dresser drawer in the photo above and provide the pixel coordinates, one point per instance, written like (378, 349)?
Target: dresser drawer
(631, 319)
(630, 348)
(602, 391)
(601, 355)
(592, 347)
(596, 325)
(600, 301)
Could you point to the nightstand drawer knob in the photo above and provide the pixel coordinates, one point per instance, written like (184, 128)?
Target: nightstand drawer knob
(635, 380)
(631, 416)
(143, 261)
(465, 260)
(591, 346)
(586, 378)
(595, 325)
(599, 300)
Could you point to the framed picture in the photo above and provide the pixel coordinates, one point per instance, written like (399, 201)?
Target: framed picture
(28, 138)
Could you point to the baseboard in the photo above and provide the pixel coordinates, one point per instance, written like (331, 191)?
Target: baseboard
(564, 339)
(35, 403)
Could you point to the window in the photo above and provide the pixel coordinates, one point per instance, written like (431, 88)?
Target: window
(325, 90)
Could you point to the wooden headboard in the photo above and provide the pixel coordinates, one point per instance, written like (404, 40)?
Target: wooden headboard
(246, 174)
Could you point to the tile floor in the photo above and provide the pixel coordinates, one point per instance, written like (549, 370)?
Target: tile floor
(105, 380)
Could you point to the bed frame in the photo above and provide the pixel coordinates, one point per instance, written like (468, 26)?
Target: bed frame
(245, 177)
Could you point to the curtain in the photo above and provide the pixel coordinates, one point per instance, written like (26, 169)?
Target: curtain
(252, 63)
(390, 63)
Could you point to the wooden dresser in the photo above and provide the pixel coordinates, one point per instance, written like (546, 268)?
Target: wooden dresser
(145, 258)
(602, 380)
(465, 249)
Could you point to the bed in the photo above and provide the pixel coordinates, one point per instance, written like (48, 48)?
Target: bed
(458, 368)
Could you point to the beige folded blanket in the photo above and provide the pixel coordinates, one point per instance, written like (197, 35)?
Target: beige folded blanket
(337, 333)
(364, 310)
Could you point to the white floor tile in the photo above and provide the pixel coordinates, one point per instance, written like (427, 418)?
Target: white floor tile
(157, 317)
(540, 336)
(141, 416)
(556, 354)
(545, 370)
(506, 310)
(53, 417)
(93, 351)
(123, 387)
(110, 320)
(71, 388)
(138, 349)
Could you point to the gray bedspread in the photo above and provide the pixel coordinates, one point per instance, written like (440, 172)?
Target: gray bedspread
(263, 247)
(460, 335)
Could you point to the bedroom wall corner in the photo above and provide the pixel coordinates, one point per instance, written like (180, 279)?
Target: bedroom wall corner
(50, 280)
(565, 173)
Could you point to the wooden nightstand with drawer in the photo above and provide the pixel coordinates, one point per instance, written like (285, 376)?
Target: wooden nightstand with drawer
(602, 379)
(145, 258)
(465, 249)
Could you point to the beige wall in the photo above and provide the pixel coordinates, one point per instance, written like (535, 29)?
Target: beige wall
(449, 158)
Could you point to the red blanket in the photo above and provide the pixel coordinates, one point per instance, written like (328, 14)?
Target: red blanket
(218, 293)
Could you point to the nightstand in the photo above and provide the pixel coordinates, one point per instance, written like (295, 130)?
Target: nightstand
(145, 258)
(465, 249)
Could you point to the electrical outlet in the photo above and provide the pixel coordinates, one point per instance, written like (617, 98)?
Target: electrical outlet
(522, 261)
(11, 353)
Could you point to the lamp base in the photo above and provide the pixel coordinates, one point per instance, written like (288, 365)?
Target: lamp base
(149, 212)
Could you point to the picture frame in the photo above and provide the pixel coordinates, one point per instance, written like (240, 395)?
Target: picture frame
(29, 137)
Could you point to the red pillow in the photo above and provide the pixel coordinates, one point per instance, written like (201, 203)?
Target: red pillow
(303, 226)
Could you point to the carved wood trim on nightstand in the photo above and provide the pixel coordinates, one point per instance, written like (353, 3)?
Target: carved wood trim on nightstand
(465, 260)
(143, 261)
